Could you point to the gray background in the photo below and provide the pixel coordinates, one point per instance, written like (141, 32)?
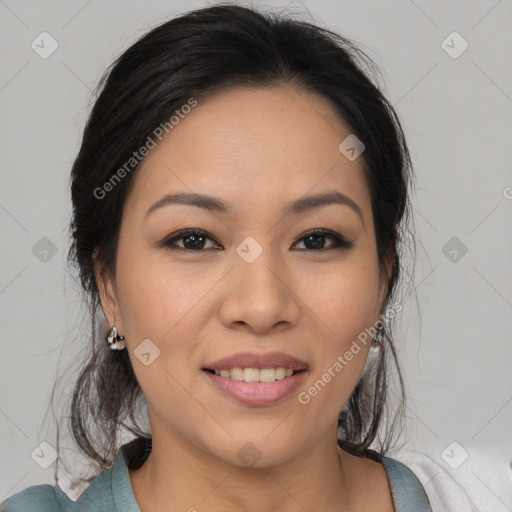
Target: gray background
(456, 113)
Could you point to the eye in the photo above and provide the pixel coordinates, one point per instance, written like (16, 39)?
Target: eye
(193, 240)
(196, 239)
(314, 239)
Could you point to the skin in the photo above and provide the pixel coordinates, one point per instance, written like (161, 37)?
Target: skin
(256, 148)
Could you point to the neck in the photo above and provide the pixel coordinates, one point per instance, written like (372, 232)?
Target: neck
(179, 476)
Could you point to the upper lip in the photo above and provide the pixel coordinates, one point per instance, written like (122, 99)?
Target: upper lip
(254, 360)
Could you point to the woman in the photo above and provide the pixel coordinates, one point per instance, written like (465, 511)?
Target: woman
(240, 201)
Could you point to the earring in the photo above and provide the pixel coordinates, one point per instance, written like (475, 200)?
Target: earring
(115, 341)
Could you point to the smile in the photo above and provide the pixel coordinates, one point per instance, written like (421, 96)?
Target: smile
(264, 386)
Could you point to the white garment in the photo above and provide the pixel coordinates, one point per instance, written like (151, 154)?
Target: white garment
(444, 493)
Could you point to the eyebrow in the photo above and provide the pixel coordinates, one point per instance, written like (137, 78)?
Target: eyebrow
(214, 204)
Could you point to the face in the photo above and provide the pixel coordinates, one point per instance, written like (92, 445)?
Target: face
(248, 280)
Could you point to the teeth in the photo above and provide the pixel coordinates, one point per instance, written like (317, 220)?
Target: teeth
(267, 375)
(237, 374)
(256, 374)
(251, 375)
(280, 373)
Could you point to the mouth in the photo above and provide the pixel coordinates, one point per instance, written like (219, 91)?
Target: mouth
(256, 379)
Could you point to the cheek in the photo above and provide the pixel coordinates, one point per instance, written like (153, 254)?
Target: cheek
(158, 316)
(163, 303)
(343, 298)
(344, 305)
(156, 299)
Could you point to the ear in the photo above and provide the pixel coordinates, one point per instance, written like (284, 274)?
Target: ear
(107, 293)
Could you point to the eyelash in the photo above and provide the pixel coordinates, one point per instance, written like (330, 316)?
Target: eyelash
(339, 241)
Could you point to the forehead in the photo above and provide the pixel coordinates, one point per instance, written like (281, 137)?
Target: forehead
(254, 147)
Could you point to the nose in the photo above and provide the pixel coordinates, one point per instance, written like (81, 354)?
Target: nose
(259, 296)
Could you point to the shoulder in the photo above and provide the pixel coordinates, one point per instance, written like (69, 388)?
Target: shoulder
(37, 498)
(46, 498)
(442, 489)
(369, 487)
(409, 493)
(384, 483)
(108, 491)
(403, 487)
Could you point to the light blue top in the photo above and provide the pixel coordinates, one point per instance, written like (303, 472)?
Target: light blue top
(111, 490)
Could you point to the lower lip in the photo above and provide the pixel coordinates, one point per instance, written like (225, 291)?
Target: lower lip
(257, 393)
